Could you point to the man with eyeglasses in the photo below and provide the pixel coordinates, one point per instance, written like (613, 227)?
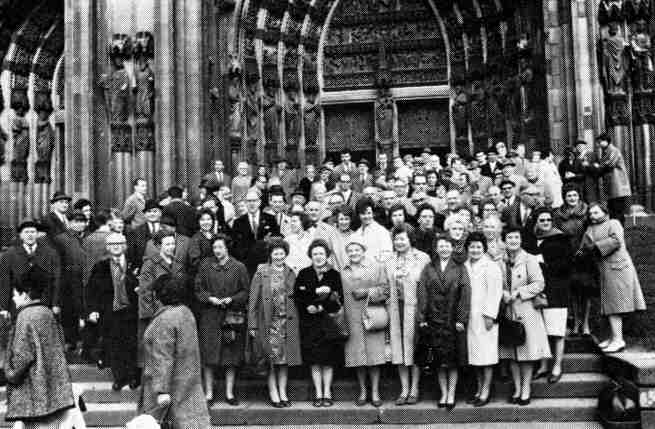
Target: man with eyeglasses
(382, 214)
(508, 193)
(350, 197)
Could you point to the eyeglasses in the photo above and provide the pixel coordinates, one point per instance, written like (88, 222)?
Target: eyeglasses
(507, 188)
(545, 220)
(489, 210)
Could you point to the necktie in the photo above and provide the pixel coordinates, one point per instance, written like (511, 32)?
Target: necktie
(254, 224)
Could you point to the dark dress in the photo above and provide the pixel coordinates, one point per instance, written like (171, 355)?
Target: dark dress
(316, 349)
(557, 267)
(444, 298)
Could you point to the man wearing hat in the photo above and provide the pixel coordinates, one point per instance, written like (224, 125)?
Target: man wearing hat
(585, 175)
(492, 165)
(509, 173)
(19, 258)
(181, 211)
(364, 179)
(298, 198)
(113, 306)
(135, 204)
(182, 244)
(139, 237)
(56, 221)
(72, 252)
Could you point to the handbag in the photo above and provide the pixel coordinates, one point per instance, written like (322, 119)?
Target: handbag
(540, 301)
(233, 323)
(337, 326)
(511, 333)
(374, 317)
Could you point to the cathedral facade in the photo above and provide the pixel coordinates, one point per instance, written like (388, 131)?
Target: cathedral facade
(96, 93)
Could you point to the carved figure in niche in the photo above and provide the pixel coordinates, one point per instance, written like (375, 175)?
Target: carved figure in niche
(21, 132)
(384, 113)
(461, 110)
(3, 134)
(312, 116)
(292, 112)
(526, 77)
(145, 78)
(45, 139)
(613, 65)
(642, 58)
(495, 117)
(117, 87)
(478, 109)
(252, 108)
(234, 98)
(272, 111)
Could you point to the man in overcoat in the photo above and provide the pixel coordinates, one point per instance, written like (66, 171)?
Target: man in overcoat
(138, 237)
(616, 183)
(181, 211)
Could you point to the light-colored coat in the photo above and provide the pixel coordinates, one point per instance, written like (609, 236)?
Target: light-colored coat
(402, 334)
(616, 182)
(363, 348)
(620, 291)
(486, 291)
(260, 313)
(377, 240)
(172, 365)
(528, 280)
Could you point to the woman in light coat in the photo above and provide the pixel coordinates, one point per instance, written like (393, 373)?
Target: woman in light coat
(299, 241)
(482, 331)
(620, 291)
(374, 236)
(363, 280)
(403, 271)
(273, 320)
(524, 281)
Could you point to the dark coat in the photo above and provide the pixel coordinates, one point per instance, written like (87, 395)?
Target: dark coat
(15, 262)
(200, 247)
(172, 365)
(486, 169)
(182, 247)
(214, 280)
(137, 239)
(102, 298)
(557, 268)
(152, 269)
(184, 215)
(316, 349)
(248, 246)
(54, 225)
(511, 218)
(260, 313)
(424, 240)
(73, 266)
(39, 383)
(444, 299)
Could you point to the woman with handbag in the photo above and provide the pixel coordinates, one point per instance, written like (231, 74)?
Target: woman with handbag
(318, 295)
(482, 329)
(273, 320)
(221, 289)
(526, 343)
(364, 290)
(403, 271)
(555, 254)
(620, 290)
(444, 298)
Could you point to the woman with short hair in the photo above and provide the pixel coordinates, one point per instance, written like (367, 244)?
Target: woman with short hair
(273, 320)
(343, 234)
(373, 235)
(298, 240)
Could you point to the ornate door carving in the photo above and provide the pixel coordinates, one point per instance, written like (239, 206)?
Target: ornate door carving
(423, 124)
(349, 126)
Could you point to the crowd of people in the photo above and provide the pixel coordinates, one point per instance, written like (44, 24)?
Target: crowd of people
(424, 263)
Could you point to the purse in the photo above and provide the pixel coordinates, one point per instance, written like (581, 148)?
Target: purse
(234, 322)
(374, 317)
(337, 326)
(511, 333)
(540, 301)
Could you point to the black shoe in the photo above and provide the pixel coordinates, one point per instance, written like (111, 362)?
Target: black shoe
(472, 400)
(554, 378)
(377, 404)
(441, 404)
(482, 402)
(277, 404)
(232, 401)
(117, 386)
(327, 402)
(539, 375)
(287, 403)
(450, 406)
(360, 402)
(134, 384)
(523, 402)
(513, 400)
(318, 402)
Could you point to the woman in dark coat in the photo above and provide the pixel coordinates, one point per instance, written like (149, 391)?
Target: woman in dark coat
(221, 289)
(318, 292)
(201, 242)
(556, 254)
(39, 388)
(444, 293)
(171, 374)
(572, 219)
(273, 320)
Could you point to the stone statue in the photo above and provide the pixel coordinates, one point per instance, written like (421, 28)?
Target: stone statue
(478, 109)
(3, 134)
(145, 91)
(641, 54)
(613, 62)
(384, 112)
(312, 116)
(292, 113)
(21, 133)
(272, 111)
(461, 111)
(234, 98)
(117, 87)
(45, 140)
(495, 116)
(252, 109)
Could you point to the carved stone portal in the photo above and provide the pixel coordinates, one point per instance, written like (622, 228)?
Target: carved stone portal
(21, 133)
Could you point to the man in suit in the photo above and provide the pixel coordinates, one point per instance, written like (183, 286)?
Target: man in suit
(364, 179)
(520, 215)
(346, 166)
(287, 176)
(382, 213)
(507, 188)
(113, 306)
(250, 229)
(139, 237)
(241, 183)
(218, 177)
(134, 204)
(73, 261)
(584, 175)
(616, 183)
(277, 207)
(182, 243)
(492, 165)
(344, 187)
(382, 171)
(56, 221)
(181, 211)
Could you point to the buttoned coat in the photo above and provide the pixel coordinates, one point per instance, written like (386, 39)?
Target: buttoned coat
(38, 379)
(54, 225)
(403, 314)
(182, 250)
(73, 265)
(152, 269)
(260, 313)
(363, 348)
(172, 365)
(620, 291)
(220, 281)
(133, 210)
(528, 280)
(184, 215)
(137, 239)
(616, 183)
(249, 246)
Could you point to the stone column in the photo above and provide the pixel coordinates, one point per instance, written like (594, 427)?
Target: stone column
(583, 52)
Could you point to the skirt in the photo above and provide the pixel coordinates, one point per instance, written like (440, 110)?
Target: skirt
(555, 321)
(67, 419)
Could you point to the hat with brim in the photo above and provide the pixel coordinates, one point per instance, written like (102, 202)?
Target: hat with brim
(509, 164)
(355, 241)
(297, 192)
(28, 223)
(60, 196)
(76, 215)
(152, 204)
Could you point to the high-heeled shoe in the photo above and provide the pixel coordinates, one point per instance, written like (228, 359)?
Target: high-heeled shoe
(232, 401)
(402, 400)
(377, 403)
(482, 402)
(286, 404)
(513, 399)
(615, 348)
(318, 402)
(554, 378)
(360, 402)
(472, 399)
(327, 402)
(523, 402)
(540, 374)
(411, 400)
(450, 406)
(276, 404)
